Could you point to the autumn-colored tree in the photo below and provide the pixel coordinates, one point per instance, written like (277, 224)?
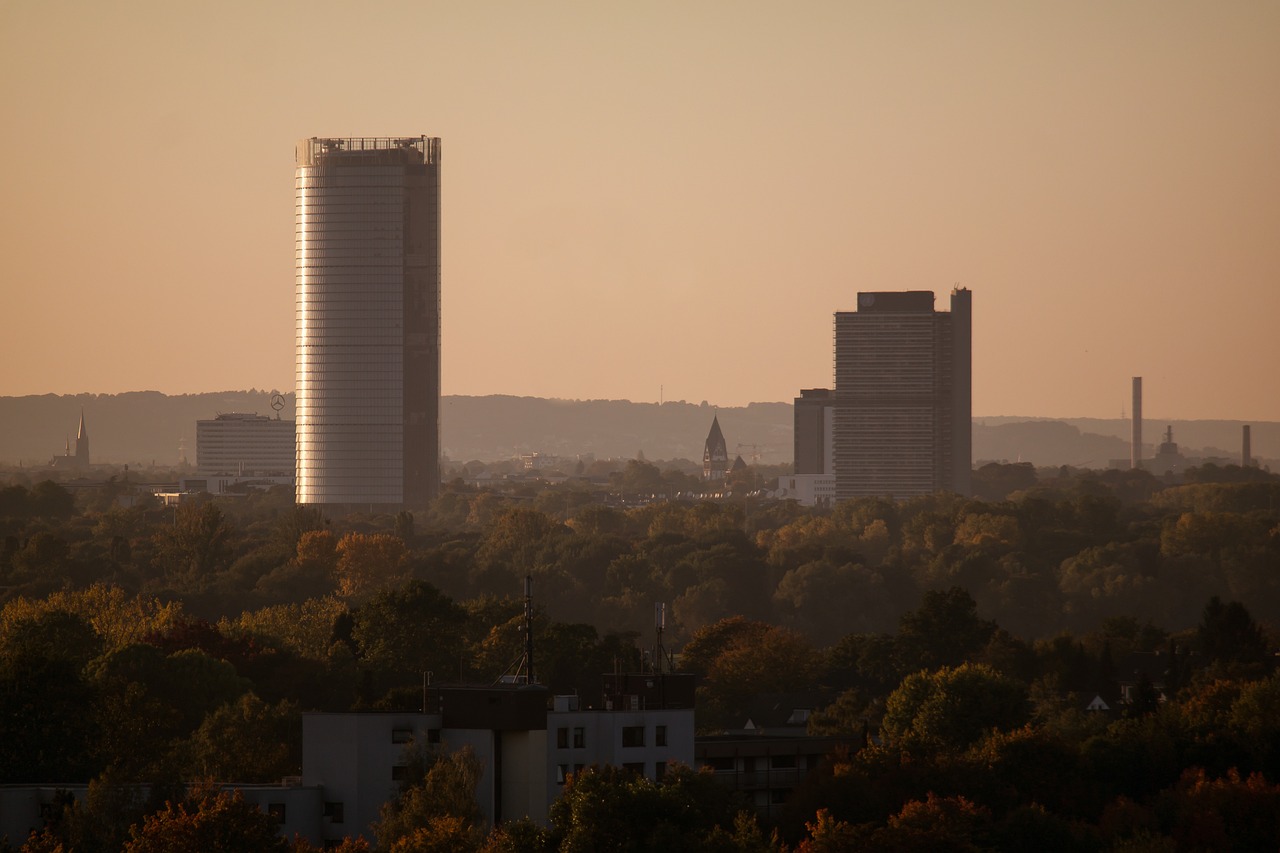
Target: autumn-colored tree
(206, 820)
(368, 563)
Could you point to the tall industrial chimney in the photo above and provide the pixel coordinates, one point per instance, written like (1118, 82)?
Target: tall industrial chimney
(1246, 451)
(1135, 452)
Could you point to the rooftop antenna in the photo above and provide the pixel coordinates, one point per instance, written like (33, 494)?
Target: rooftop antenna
(528, 627)
(523, 666)
(661, 658)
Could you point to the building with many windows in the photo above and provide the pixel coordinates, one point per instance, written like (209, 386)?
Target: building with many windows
(367, 335)
(244, 445)
(902, 405)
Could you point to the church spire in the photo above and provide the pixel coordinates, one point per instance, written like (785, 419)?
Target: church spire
(715, 453)
(82, 444)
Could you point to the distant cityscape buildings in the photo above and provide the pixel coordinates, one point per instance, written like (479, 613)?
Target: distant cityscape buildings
(77, 459)
(367, 340)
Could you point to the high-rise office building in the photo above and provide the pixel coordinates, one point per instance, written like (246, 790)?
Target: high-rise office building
(367, 304)
(903, 386)
(245, 444)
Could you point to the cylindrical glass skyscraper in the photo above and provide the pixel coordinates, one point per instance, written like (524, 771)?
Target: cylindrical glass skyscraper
(367, 309)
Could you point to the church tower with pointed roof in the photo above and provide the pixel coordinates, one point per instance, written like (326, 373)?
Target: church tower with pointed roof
(82, 445)
(715, 453)
(79, 459)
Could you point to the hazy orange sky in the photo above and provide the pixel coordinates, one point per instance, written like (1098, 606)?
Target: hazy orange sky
(654, 195)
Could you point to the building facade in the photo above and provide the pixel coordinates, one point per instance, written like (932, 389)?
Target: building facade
(367, 303)
(244, 444)
(903, 386)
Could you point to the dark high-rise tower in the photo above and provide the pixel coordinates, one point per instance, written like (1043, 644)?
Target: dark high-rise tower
(368, 320)
(903, 388)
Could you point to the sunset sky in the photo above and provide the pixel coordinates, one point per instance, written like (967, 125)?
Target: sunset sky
(649, 195)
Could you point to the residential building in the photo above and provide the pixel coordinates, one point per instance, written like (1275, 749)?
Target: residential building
(766, 768)
(902, 410)
(527, 741)
(367, 338)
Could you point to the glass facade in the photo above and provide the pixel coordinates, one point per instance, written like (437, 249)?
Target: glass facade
(367, 320)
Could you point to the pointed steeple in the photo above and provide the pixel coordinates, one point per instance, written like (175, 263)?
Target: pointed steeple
(715, 453)
(82, 443)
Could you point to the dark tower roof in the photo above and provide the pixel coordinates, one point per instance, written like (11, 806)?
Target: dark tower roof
(715, 453)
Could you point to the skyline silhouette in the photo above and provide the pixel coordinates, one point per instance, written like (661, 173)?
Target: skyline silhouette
(664, 199)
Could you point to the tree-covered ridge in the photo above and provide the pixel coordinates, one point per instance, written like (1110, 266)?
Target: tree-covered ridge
(963, 638)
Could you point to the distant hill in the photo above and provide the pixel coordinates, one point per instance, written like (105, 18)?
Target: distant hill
(145, 426)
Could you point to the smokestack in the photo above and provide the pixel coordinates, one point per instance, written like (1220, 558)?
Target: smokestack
(1246, 452)
(1135, 452)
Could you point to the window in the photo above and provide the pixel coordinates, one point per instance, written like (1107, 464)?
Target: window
(333, 811)
(276, 810)
(660, 735)
(577, 768)
(782, 762)
(562, 773)
(632, 736)
(636, 767)
(562, 738)
(778, 796)
(659, 770)
(579, 737)
(722, 764)
(401, 735)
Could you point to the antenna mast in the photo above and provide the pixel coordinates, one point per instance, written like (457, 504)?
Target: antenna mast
(528, 627)
(661, 659)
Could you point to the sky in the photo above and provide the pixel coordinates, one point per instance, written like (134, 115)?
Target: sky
(662, 200)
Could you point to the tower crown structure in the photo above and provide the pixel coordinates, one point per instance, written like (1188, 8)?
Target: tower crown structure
(367, 320)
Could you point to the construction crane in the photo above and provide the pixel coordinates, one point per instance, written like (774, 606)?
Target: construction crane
(755, 452)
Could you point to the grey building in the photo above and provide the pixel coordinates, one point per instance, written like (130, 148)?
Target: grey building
(244, 444)
(903, 387)
(367, 304)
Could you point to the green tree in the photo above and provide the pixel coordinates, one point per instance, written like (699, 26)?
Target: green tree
(944, 631)
(950, 709)
(247, 741)
(402, 633)
(1228, 633)
(437, 807)
(196, 546)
